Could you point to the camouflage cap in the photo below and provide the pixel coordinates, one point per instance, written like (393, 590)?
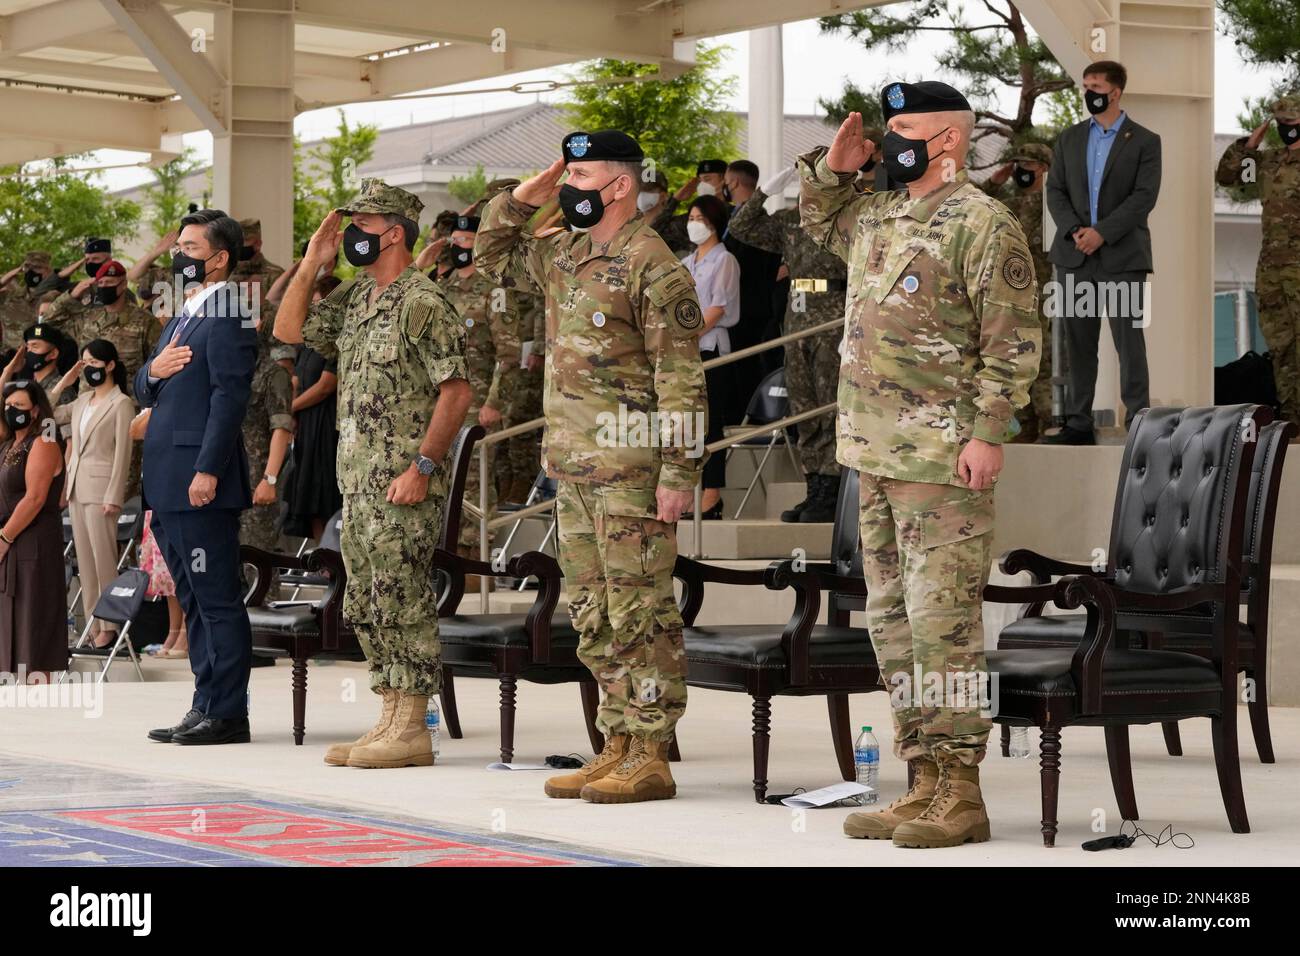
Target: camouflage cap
(36, 258)
(494, 187)
(1287, 108)
(445, 222)
(376, 196)
(252, 227)
(1028, 153)
(150, 280)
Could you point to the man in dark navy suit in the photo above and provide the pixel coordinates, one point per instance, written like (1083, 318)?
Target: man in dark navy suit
(196, 470)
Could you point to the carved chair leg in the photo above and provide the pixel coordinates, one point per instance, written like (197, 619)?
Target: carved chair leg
(1258, 709)
(1173, 740)
(837, 706)
(1227, 761)
(508, 682)
(1049, 775)
(762, 712)
(589, 691)
(1121, 770)
(450, 716)
(1006, 740)
(299, 684)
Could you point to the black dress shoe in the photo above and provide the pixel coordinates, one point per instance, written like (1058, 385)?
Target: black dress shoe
(1070, 436)
(164, 735)
(215, 730)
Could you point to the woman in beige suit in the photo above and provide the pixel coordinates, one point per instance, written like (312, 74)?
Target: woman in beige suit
(99, 461)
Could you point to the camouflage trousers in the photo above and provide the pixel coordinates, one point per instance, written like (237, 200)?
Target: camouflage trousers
(468, 539)
(925, 553)
(390, 601)
(812, 378)
(522, 455)
(618, 562)
(1278, 297)
(258, 526)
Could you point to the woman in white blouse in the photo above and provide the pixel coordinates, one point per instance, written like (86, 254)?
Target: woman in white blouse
(99, 461)
(717, 284)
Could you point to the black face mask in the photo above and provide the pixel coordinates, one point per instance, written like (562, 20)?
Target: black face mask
(1024, 177)
(95, 376)
(906, 160)
(188, 269)
(361, 248)
(92, 268)
(1290, 132)
(868, 166)
(460, 258)
(33, 363)
(107, 295)
(33, 278)
(17, 418)
(726, 192)
(1095, 102)
(582, 208)
(246, 253)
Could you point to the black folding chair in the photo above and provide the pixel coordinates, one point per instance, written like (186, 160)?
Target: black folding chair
(119, 604)
(769, 403)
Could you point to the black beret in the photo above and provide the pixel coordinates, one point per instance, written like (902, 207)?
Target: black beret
(710, 166)
(45, 333)
(99, 245)
(929, 96)
(467, 223)
(603, 144)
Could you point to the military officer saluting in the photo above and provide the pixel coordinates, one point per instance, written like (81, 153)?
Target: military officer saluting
(401, 399)
(941, 343)
(19, 299)
(622, 322)
(114, 314)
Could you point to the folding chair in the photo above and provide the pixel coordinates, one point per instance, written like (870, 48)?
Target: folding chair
(120, 604)
(769, 403)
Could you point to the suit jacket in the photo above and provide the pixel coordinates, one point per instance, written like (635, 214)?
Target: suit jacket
(198, 413)
(100, 456)
(1129, 186)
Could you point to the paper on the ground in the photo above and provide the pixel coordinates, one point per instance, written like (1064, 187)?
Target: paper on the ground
(826, 795)
(517, 766)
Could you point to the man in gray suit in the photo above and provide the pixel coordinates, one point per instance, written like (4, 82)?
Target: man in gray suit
(1104, 181)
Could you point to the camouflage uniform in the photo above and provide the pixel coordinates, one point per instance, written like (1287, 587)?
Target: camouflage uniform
(812, 364)
(622, 324)
(1027, 206)
(133, 330)
(264, 272)
(19, 302)
(940, 346)
(1277, 276)
(492, 349)
(270, 408)
(392, 356)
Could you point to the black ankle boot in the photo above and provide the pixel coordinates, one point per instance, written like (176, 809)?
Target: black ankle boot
(791, 515)
(822, 508)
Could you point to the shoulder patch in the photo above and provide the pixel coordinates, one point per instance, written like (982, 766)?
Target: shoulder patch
(1017, 272)
(419, 310)
(688, 315)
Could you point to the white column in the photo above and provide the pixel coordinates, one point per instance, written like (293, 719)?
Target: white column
(766, 102)
(253, 163)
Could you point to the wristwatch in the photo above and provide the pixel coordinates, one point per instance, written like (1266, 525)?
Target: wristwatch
(424, 465)
(271, 479)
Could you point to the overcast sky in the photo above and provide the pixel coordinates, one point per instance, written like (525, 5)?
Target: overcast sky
(815, 65)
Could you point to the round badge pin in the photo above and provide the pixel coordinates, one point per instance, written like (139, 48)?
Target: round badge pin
(911, 284)
(598, 320)
(469, 323)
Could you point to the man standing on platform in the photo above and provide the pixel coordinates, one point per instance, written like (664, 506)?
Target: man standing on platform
(941, 344)
(622, 331)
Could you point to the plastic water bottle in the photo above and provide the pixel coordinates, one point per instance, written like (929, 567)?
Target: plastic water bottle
(1019, 742)
(433, 723)
(866, 761)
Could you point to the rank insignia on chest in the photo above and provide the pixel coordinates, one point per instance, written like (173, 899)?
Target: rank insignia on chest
(687, 314)
(564, 264)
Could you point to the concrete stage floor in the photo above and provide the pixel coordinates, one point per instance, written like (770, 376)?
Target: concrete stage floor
(55, 759)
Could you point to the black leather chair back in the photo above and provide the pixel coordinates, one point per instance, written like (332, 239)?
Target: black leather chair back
(459, 456)
(332, 536)
(1265, 482)
(770, 400)
(1177, 488)
(846, 540)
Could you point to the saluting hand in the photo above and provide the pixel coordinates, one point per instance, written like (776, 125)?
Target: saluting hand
(850, 148)
(542, 188)
(323, 247)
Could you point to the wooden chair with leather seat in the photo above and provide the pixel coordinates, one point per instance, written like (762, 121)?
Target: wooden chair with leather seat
(1189, 630)
(1175, 554)
(306, 630)
(801, 659)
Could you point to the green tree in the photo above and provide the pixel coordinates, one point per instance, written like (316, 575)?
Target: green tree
(468, 189)
(308, 208)
(986, 54)
(167, 198)
(50, 205)
(340, 156)
(677, 121)
(1266, 33)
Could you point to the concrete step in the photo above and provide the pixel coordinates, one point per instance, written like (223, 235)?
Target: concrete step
(764, 502)
(744, 460)
(755, 538)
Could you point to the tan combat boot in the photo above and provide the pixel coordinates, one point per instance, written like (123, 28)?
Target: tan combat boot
(955, 816)
(643, 775)
(337, 754)
(405, 742)
(880, 824)
(569, 786)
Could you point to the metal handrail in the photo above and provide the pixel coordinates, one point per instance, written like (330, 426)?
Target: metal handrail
(487, 524)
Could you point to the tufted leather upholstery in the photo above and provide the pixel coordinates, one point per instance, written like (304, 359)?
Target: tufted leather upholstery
(759, 646)
(1171, 516)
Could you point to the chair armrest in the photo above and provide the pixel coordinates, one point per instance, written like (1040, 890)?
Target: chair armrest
(457, 567)
(329, 610)
(1040, 566)
(820, 576)
(694, 575)
(264, 563)
(550, 578)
